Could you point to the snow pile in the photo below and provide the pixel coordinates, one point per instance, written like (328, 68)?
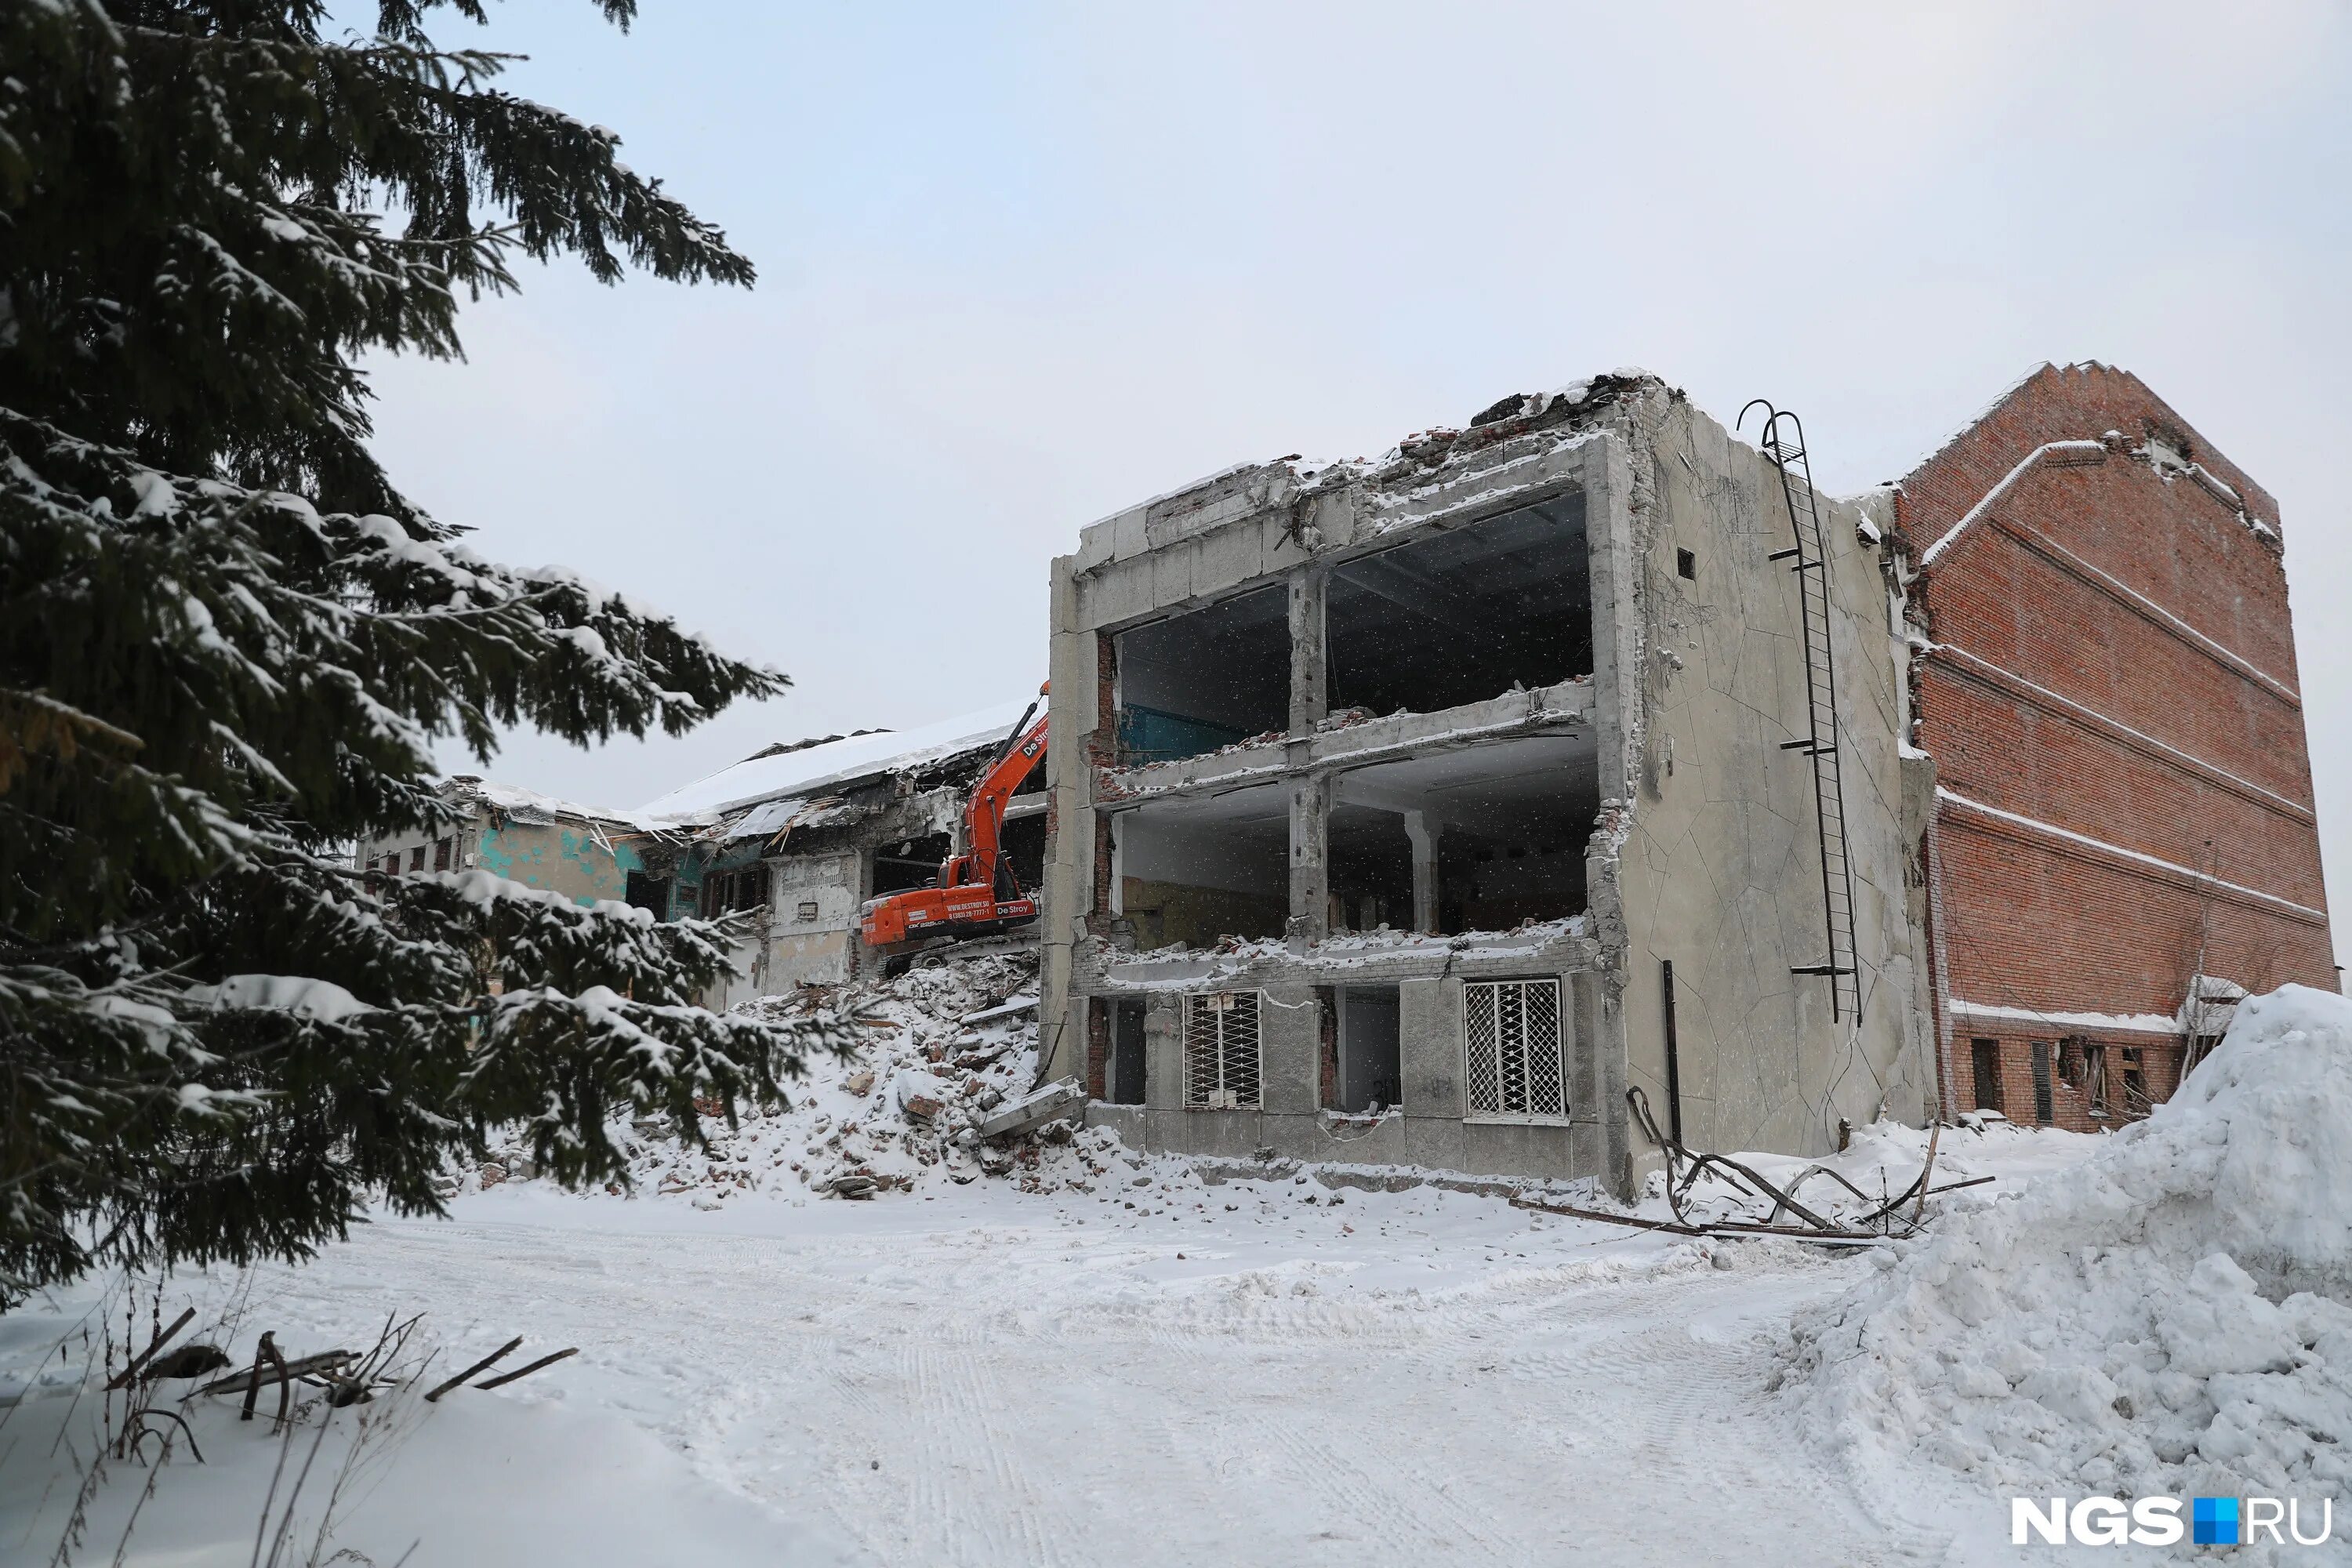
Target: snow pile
(945, 1046)
(2172, 1316)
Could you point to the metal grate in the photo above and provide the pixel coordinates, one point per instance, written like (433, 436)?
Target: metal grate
(1511, 1042)
(1220, 1054)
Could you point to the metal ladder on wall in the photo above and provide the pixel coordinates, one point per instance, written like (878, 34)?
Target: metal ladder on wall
(1783, 442)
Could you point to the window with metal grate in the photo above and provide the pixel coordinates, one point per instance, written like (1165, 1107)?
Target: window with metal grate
(1513, 1054)
(1220, 1054)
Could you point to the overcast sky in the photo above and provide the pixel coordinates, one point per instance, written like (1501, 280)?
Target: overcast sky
(1022, 267)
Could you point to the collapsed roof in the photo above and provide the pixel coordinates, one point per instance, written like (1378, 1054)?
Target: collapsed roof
(784, 786)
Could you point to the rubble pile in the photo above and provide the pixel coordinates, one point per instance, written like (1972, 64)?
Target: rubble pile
(946, 1059)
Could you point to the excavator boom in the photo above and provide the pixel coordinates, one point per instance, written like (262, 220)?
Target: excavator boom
(977, 892)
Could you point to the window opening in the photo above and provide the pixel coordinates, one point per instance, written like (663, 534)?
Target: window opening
(2135, 1097)
(1221, 1051)
(911, 863)
(1463, 614)
(1516, 1060)
(1205, 679)
(2043, 1112)
(743, 888)
(647, 892)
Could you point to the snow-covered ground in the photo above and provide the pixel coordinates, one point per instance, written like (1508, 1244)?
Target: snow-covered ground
(1260, 1372)
(1071, 1353)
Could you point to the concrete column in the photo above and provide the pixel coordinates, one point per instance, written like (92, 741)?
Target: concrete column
(1310, 696)
(1310, 858)
(1163, 1054)
(1418, 830)
(1617, 702)
(1290, 1050)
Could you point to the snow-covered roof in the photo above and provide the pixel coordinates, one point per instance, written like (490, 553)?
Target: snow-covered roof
(530, 805)
(811, 769)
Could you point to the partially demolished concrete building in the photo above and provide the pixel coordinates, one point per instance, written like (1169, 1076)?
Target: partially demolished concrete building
(1416, 811)
(1412, 811)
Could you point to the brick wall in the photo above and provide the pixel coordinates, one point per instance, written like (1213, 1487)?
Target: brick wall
(2114, 660)
(2014, 1076)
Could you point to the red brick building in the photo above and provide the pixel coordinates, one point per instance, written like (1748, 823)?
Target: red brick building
(2107, 681)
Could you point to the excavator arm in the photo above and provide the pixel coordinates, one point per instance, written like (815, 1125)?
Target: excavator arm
(982, 863)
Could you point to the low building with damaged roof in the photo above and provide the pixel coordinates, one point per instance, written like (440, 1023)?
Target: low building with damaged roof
(798, 835)
(802, 833)
(585, 853)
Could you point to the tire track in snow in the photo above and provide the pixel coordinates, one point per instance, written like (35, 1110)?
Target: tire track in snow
(1747, 1449)
(1396, 1505)
(974, 1502)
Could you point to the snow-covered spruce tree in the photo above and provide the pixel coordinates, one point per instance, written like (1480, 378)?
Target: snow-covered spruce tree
(228, 645)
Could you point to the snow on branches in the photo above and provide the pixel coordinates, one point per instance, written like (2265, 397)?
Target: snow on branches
(228, 647)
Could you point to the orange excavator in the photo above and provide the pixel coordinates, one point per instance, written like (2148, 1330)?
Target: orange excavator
(977, 893)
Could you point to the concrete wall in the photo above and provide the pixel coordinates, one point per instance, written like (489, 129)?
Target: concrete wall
(560, 857)
(789, 948)
(1429, 1130)
(1720, 870)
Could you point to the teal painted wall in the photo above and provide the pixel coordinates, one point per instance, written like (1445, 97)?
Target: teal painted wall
(559, 858)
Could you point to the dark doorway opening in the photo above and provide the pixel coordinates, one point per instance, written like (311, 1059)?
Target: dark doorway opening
(1126, 1085)
(1371, 1076)
(1986, 1063)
